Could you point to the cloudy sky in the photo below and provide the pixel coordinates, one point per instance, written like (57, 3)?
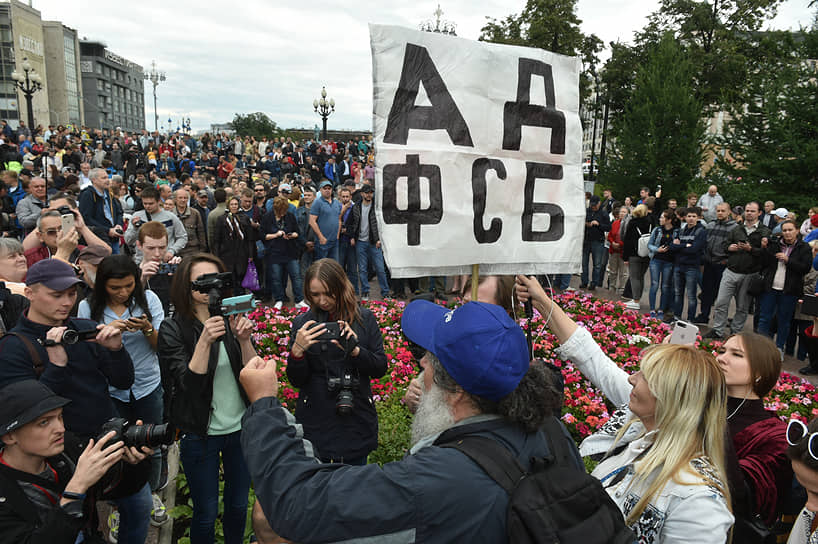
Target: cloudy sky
(264, 55)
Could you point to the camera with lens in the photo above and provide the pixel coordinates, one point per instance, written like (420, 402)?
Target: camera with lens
(136, 436)
(212, 285)
(167, 268)
(343, 385)
(72, 336)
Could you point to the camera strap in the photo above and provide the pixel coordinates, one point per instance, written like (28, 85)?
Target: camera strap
(36, 360)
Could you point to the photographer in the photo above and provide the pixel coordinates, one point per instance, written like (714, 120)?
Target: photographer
(156, 273)
(48, 487)
(329, 369)
(77, 359)
(176, 233)
(201, 356)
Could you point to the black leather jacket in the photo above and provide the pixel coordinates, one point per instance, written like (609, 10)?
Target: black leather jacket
(188, 395)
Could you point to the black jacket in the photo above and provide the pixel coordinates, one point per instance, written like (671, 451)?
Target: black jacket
(799, 263)
(11, 307)
(353, 225)
(637, 226)
(335, 436)
(230, 247)
(85, 379)
(745, 262)
(280, 250)
(22, 521)
(597, 232)
(188, 395)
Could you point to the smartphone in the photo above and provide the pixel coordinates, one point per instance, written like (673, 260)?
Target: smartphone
(67, 220)
(332, 332)
(684, 333)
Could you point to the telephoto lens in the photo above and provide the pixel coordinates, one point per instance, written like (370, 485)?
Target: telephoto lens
(149, 435)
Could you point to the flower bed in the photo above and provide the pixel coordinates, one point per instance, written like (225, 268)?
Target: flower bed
(621, 333)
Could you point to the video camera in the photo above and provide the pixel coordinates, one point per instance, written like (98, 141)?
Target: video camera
(213, 285)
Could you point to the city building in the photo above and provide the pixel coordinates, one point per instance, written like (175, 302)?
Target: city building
(112, 87)
(21, 44)
(62, 55)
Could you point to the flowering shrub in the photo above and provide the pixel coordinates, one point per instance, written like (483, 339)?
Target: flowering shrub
(621, 333)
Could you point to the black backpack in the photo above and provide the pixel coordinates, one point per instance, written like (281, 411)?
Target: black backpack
(553, 502)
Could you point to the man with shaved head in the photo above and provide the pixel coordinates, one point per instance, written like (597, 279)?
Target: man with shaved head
(708, 203)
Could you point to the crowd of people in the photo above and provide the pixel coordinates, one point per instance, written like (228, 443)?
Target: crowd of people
(118, 252)
(704, 256)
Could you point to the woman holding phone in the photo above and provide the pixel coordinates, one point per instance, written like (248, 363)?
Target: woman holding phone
(119, 299)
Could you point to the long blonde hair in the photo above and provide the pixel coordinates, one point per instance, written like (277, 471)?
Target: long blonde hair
(691, 418)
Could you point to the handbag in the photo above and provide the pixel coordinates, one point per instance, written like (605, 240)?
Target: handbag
(250, 280)
(756, 285)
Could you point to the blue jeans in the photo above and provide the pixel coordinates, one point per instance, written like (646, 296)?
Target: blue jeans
(277, 280)
(596, 250)
(330, 249)
(368, 252)
(149, 409)
(561, 281)
(200, 460)
(687, 278)
(782, 306)
(134, 516)
(661, 273)
(349, 262)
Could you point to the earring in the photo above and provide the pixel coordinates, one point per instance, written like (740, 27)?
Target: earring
(758, 379)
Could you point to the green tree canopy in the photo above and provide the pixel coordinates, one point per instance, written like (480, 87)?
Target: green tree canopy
(256, 124)
(660, 135)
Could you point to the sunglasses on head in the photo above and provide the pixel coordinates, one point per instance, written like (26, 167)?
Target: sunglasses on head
(797, 432)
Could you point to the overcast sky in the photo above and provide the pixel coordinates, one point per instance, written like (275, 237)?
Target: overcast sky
(264, 55)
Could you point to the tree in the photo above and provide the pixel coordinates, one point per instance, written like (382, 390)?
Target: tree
(660, 135)
(772, 137)
(256, 124)
(551, 25)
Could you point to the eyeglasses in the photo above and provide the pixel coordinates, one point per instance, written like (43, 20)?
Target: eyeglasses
(52, 232)
(797, 431)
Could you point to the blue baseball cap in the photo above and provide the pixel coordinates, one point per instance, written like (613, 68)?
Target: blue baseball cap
(53, 273)
(478, 344)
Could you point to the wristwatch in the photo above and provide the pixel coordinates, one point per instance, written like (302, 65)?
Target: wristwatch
(148, 332)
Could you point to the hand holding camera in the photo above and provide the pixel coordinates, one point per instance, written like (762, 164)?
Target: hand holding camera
(213, 330)
(96, 459)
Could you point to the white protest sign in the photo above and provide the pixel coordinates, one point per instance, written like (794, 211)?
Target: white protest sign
(478, 155)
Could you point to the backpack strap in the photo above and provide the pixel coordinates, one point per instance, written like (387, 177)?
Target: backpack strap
(36, 360)
(495, 460)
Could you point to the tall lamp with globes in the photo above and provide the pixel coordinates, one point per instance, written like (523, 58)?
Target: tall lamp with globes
(29, 82)
(324, 108)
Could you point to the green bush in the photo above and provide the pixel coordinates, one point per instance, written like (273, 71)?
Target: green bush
(394, 429)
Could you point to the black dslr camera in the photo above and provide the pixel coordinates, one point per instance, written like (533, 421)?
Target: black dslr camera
(136, 436)
(343, 386)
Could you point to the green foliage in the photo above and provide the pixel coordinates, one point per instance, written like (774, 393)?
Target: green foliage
(394, 430)
(256, 124)
(773, 135)
(660, 137)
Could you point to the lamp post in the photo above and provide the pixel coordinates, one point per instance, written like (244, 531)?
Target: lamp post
(29, 82)
(439, 25)
(324, 108)
(155, 77)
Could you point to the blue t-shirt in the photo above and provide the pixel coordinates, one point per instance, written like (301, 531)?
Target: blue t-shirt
(328, 214)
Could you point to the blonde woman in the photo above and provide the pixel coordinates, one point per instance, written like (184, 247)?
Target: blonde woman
(664, 462)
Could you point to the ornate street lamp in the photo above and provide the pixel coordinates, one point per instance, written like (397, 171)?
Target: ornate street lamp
(155, 77)
(438, 25)
(29, 82)
(324, 108)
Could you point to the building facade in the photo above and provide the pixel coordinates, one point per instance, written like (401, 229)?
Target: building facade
(21, 41)
(112, 88)
(62, 56)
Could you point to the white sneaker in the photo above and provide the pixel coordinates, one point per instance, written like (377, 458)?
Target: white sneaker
(278, 305)
(159, 515)
(632, 305)
(301, 305)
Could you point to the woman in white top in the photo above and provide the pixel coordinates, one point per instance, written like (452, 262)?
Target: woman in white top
(664, 465)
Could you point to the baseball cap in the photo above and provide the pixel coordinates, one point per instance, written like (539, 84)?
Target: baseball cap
(202, 192)
(93, 254)
(286, 187)
(781, 212)
(53, 273)
(325, 183)
(366, 188)
(594, 200)
(25, 401)
(478, 344)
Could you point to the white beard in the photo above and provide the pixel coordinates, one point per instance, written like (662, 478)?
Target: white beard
(433, 414)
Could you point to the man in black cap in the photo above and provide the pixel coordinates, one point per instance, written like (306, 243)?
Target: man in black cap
(44, 484)
(80, 371)
(597, 223)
